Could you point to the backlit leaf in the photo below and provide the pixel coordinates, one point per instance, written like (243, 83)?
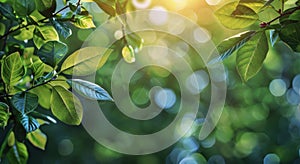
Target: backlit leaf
(25, 33)
(255, 5)
(12, 69)
(37, 67)
(44, 34)
(37, 138)
(84, 21)
(236, 16)
(85, 61)
(128, 54)
(66, 106)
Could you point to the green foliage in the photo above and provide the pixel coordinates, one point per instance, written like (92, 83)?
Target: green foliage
(44, 34)
(4, 114)
(46, 7)
(290, 34)
(81, 62)
(38, 139)
(23, 7)
(12, 69)
(25, 102)
(128, 54)
(250, 56)
(252, 47)
(17, 153)
(228, 46)
(66, 106)
(52, 52)
(235, 16)
(33, 64)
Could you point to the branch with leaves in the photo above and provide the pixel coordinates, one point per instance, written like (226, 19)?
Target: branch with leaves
(252, 46)
(35, 66)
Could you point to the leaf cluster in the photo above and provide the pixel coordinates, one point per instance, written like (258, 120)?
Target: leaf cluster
(252, 46)
(36, 70)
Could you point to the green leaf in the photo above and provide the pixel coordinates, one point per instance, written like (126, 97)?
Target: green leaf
(60, 81)
(25, 102)
(290, 34)
(295, 16)
(17, 153)
(11, 139)
(85, 61)
(4, 114)
(66, 106)
(255, 5)
(84, 21)
(23, 7)
(268, 3)
(37, 67)
(29, 123)
(44, 94)
(128, 54)
(2, 30)
(7, 11)
(89, 90)
(38, 139)
(25, 33)
(107, 7)
(230, 45)
(44, 34)
(12, 69)
(46, 7)
(236, 16)
(251, 56)
(274, 35)
(135, 41)
(61, 28)
(52, 52)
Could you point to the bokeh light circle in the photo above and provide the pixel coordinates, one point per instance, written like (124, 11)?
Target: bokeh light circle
(277, 87)
(162, 55)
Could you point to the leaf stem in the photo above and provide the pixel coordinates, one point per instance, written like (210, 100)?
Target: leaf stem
(283, 14)
(38, 85)
(282, 6)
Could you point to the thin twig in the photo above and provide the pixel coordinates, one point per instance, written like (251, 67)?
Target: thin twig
(283, 14)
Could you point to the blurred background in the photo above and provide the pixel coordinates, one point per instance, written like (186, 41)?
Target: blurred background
(260, 122)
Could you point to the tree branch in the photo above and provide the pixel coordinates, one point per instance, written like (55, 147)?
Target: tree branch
(281, 15)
